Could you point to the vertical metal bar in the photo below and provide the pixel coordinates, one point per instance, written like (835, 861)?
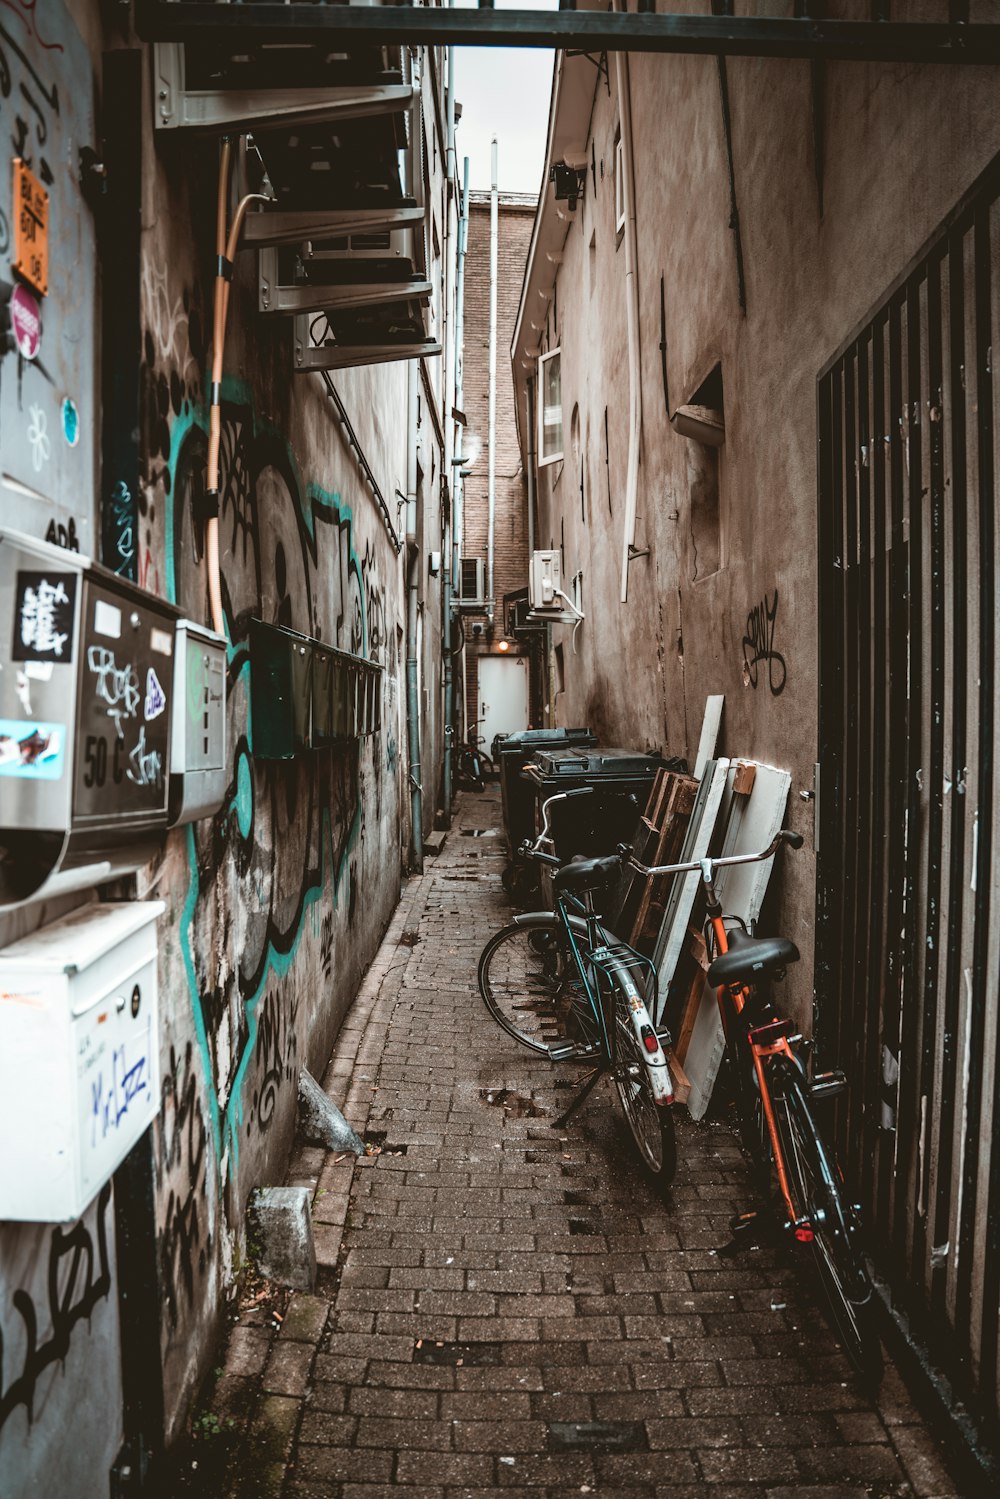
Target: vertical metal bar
(897, 758)
(907, 1105)
(875, 903)
(983, 991)
(945, 1068)
(830, 704)
(867, 1020)
(936, 770)
(850, 1035)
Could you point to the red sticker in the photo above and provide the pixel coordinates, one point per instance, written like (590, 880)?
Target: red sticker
(25, 321)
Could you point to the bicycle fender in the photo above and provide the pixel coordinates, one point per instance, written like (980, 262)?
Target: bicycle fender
(547, 918)
(656, 1062)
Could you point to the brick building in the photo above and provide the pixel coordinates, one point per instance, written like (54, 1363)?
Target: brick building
(486, 626)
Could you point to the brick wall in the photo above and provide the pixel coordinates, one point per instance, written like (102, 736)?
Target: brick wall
(516, 217)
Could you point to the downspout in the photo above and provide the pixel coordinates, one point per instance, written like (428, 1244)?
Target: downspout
(458, 519)
(491, 482)
(412, 549)
(450, 467)
(529, 401)
(631, 313)
(412, 600)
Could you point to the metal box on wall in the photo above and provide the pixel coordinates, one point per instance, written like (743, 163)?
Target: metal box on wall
(85, 695)
(79, 1056)
(198, 726)
(281, 691)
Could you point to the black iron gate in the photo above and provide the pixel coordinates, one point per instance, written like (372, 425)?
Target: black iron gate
(908, 902)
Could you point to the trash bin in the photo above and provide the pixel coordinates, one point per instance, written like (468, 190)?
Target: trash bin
(593, 825)
(511, 752)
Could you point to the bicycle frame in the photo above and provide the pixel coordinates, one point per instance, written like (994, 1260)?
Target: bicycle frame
(764, 1048)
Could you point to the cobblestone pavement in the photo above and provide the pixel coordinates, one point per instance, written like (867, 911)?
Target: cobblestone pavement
(487, 1284)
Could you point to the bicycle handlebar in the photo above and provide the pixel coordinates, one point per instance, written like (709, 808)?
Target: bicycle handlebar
(794, 840)
(531, 850)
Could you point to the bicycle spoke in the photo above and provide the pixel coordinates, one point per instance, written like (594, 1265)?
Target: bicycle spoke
(651, 1127)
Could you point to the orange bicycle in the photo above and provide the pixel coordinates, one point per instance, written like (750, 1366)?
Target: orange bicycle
(774, 1098)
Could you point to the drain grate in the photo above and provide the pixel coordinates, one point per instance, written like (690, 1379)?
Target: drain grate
(469, 1355)
(597, 1436)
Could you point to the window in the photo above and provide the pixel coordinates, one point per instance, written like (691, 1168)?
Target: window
(550, 417)
(619, 186)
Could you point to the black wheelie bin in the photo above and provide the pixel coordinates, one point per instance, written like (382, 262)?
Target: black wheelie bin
(594, 825)
(511, 752)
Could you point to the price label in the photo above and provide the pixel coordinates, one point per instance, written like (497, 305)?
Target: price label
(31, 228)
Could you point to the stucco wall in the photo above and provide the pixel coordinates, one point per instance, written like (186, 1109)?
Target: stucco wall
(901, 145)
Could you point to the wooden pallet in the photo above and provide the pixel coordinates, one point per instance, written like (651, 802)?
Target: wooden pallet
(662, 831)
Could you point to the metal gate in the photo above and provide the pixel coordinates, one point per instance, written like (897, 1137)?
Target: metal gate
(908, 897)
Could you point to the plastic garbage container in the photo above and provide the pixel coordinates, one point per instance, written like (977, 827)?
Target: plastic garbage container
(621, 780)
(511, 752)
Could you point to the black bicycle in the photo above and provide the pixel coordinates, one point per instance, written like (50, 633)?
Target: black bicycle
(565, 987)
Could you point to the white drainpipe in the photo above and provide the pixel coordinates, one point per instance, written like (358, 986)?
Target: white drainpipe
(492, 470)
(631, 314)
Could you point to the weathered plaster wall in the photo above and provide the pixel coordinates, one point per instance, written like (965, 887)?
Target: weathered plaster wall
(277, 903)
(902, 144)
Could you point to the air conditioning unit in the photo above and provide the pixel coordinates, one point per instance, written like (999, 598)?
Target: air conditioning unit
(472, 581)
(546, 594)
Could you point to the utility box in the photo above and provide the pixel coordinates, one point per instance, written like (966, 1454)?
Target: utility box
(79, 1056)
(198, 726)
(86, 690)
(280, 691)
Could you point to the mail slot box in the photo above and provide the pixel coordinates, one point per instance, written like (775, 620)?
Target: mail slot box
(79, 1056)
(281, 688)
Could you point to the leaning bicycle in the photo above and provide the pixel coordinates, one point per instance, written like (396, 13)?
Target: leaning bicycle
(774, 1097)
(565, 987)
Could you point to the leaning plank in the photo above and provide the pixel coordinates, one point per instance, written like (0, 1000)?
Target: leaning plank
(752, 822)
(675, 812)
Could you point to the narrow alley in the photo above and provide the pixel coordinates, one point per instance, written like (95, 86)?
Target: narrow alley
(503, 1307)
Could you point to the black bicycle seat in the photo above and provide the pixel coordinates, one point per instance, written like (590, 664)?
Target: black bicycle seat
(750, 958)
(587, 874)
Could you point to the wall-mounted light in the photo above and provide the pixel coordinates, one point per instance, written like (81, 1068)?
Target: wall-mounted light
(504, 645)
(569, 183)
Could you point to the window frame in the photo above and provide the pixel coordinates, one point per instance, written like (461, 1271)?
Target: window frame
(543, 460)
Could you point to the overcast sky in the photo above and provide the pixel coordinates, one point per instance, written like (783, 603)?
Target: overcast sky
(504, 91)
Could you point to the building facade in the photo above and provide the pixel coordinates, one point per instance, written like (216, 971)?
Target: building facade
(754, 333)
(332, 456)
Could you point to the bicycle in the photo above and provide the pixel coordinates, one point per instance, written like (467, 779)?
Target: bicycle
(566, 988)
(774, 1102)
(474, 765)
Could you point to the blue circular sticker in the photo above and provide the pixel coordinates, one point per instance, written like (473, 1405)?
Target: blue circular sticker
(71, 422)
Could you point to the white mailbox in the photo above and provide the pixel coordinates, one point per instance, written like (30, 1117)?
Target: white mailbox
(79, 1056)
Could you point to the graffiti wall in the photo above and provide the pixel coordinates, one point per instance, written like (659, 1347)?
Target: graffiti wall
(276, 904)
(59, 1338)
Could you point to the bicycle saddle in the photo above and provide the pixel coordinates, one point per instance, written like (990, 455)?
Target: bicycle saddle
(750, 958)
(587, 874)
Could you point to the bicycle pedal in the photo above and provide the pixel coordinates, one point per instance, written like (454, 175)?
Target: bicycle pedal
(828, 1084)
(569, 1051)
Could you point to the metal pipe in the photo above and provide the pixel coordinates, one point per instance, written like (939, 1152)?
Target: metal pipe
(491, 481)
(458, 530)
(529, 401)
(412, 549)
(631, 316)
(412, 605)
(450, 469)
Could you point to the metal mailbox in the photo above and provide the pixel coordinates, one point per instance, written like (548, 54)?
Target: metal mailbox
(79, 1056)
(85, 704)
(198, 727)
(308, 695)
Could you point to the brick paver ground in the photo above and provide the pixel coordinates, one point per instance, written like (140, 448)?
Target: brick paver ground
(487, 1283)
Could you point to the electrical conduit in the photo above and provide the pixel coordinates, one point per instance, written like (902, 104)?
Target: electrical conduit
(631, 313)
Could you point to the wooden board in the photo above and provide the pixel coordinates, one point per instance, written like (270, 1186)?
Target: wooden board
(710, 726)
(751, 822)
(684, 888)
(673, 813)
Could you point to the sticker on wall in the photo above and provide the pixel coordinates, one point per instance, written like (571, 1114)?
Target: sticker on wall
(38, 438)
(44, 610)
(35, 751)
(25, 322)
(31, 227)
(155, 699)
(70, 422)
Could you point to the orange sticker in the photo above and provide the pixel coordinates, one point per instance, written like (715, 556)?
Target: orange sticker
(31, 228)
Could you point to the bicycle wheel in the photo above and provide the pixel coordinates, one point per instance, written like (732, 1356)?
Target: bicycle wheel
(746, 1091)
(530, 986)
(651, 1127)
(817, 1192)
